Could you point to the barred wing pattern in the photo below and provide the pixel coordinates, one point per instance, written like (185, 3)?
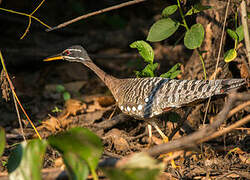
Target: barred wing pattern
(148, 97)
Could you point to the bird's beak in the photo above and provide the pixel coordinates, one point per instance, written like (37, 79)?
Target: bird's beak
(55, 57)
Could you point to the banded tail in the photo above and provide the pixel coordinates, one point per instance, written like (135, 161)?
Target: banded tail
(228, 84)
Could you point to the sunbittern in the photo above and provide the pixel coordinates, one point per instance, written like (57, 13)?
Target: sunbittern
(145, 98)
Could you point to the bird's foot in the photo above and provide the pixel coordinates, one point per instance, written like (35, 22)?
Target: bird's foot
(166, 140)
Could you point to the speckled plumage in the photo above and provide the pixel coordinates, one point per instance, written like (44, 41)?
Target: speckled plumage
(157, 94)
(148, 97)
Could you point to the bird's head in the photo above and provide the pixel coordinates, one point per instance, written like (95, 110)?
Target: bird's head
(72, 54)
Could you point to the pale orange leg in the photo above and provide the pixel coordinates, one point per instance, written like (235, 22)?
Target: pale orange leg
(149, 135)
(165, 140)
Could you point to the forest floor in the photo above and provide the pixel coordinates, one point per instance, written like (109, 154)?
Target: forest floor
(92, 105)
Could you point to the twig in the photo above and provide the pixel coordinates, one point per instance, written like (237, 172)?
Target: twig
(15, 96)
(218, 57)
(213, 76)
(195, 138)
(28, 15)
(228, 129)
(95, 13)
(18, 116)
(238, 108)
(245, 28)
(14, 99)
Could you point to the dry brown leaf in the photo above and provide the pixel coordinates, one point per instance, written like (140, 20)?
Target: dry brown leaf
(73, 106)
(244, 71)
(64, 121)
(52, 124)
(120, 143)
(95, 106)
(245, 158)
(4, 86)
(105, 101)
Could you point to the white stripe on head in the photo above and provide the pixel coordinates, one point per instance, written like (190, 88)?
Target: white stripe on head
(74, 50)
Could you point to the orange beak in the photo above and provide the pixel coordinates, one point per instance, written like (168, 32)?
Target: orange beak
(53, 58)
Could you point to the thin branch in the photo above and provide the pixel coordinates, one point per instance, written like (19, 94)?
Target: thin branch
(18, 116)
(95, 13)
(28, 15)
(228, 129)
(218, 57)
(15, 96)
(238, 108)
(245, 28)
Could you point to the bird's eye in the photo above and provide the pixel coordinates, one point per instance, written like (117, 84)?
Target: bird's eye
(66, 52)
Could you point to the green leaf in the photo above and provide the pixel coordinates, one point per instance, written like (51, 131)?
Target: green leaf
(139, 166)
(60, 88)
(169, 10)
(232, 34)
(2, 141)
(66, 96)
(81, 142)
(162, 29)
(26, 160)
(197, 8)
(194, 37)
(240, 32)
(173, 72)
(191, 11)
(230, 55)
(77, 168)
(148, 71)
(56, 110)
(132, 174)
(145, 50)
(138, 74)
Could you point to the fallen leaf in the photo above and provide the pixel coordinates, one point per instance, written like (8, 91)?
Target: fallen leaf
(119, 142)
(105, 101)
(244, 71)
(52, 124)
(73, 106)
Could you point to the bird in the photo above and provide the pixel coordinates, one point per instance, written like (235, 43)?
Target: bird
(146, 98)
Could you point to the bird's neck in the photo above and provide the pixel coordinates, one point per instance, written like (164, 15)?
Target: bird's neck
(110, 81)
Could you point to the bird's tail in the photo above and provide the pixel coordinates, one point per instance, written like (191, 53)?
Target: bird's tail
(228, 84)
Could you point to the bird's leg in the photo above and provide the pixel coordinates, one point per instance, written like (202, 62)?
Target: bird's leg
(149, 135)
(113, 112)
(165, 140)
